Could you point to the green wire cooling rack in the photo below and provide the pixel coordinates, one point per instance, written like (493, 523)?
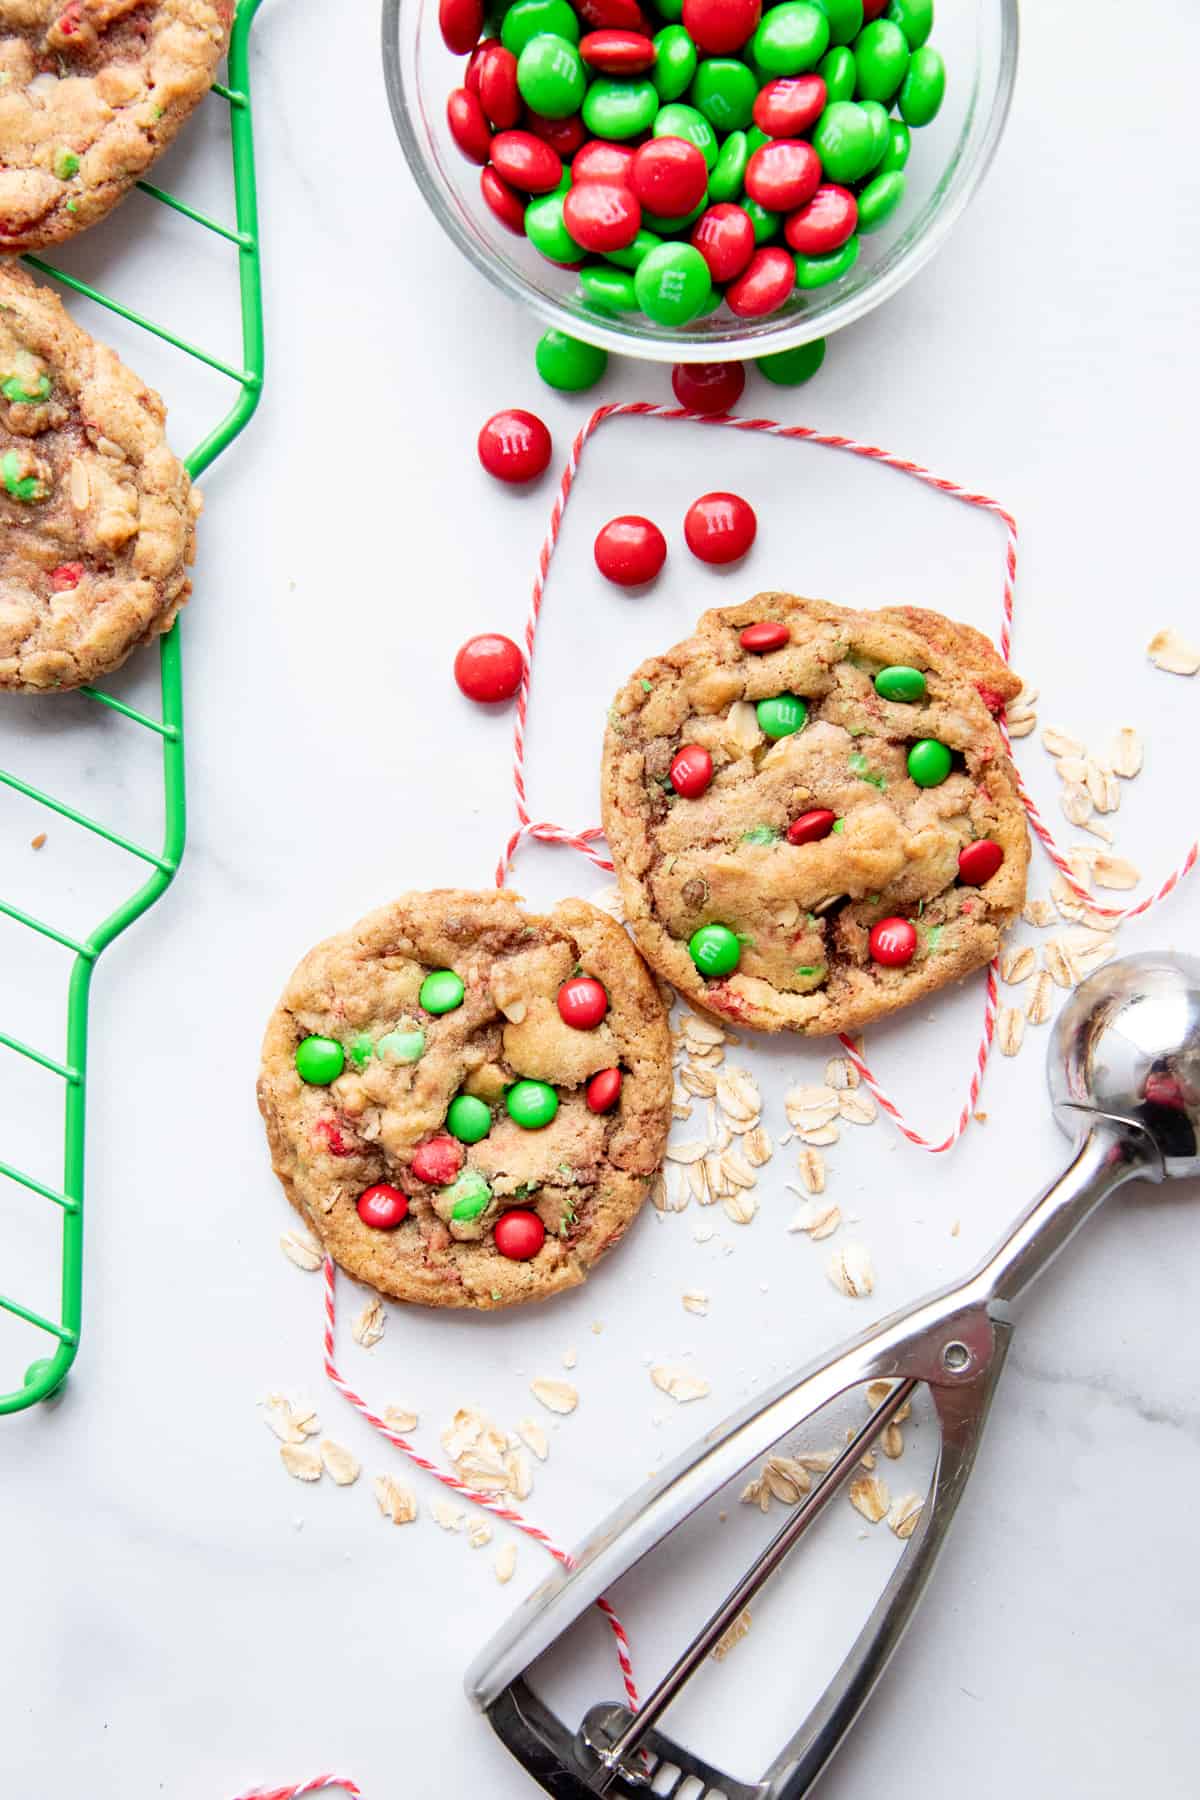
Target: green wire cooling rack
(45, 1374)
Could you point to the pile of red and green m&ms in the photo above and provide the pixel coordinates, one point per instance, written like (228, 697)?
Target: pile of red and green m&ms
(685, 155)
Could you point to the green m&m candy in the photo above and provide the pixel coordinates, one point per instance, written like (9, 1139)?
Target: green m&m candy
(819, 271)
(900, 143)
(470, 1195)
(362, 1049)
(924, 87)
(879, 200)
(441, 991)
(880, 122)
(634, 253)
(715, 950)
(725, 91)
(899, 682)
(550, 76)
(845, 19)
(674, 62)
(929, 762)
(405, 1046)
(664, 226)
(728, 173)
(23, 475)
(468, 1119)
(756, 137)
(547, 231)
(620, 109)
(27, 386)
(531, 1104)
(837, 70)
(673, 284)
(845, 142)
(881, 53)
(791, 38)
(319, 1060)
(669, 9)
(780, 717)
(567, 363)
(609, 290)
(765, 223)
(686, 122)
(532, 18)
(788, 368)
(915, 19)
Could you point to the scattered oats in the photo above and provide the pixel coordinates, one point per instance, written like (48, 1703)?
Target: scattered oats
(1080, 858)
(1072, 768)
(686, 1153)
(737, 1170)
(738, 1094)
(291, 1422)
(1038, 912)
(680, 1384)
(1168, 650)
(757, 1493)
(304, 1464)
(840, 1073)
(1076, 802)
(520, 1478)
(479, 1535)
(740, 1206)
(1115, 871)
(680, 1111)
(695, 1300)
(820, 1135)
(367, 1327)
(399, 1504)
(703, 1234)
(505, 1565)
(570, 1358)
(701, 1082)
(742, 726)
(705, 1032)
(1018, 964)
(301, 1248)
(1103, 787)
(479, 1452)
(808, 1106)
(819, 1461)
(1059, 965)
(1028, 696)
(869, 1496)
(905, 1514)
(812, 1170)
(38, 842)
(756, 1147)
(555, 1396)
(1041, 995)
(531, 1433)
(1020, 723)
(400, 1419)
(1099, 829)
(1126, 753)
(696, 1175)
(734, 1635)
(957, 1225)
(851, 1271)
(1061, 743)
(447, 1515)
(787, 1479)
(1085, 961)
(857, 1106)
(819, 1218)
(864, 1462)
(716, 1182)
(1010, 1029)
(339, 1464)
(892, 1441)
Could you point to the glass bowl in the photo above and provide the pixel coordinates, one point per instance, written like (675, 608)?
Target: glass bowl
(977, 38)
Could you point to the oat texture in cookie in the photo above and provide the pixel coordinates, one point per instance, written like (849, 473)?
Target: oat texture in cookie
(97, 517)
(428, 1086)
(91, 92)
(813, 834)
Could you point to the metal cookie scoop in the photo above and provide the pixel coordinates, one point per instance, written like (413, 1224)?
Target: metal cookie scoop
(1124, 1072)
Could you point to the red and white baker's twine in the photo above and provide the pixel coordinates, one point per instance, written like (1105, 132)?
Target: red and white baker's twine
(320, 1784)
(585, 841)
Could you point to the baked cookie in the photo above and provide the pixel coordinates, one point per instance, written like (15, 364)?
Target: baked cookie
(97, 517)
(811, 812)
(468, 1102)
(91, 92)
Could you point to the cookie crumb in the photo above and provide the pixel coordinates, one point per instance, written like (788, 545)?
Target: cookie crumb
(695, 1300)
(570, 1358)
(38, 842)
(732, 1636)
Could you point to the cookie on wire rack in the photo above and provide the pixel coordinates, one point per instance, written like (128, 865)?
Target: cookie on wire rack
(811, 811)
(91, 93)
(468, 1102)
(97, 515)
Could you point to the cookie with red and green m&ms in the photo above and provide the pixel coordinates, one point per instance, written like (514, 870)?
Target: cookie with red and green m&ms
(811, 811)
(468, 1101)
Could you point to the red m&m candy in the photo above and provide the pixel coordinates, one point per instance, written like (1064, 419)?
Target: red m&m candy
(525, 162)
(601, 215)
(790, 106)
(603, 1090)
(766, 283)
(438, 1160)
(503, 202)
(708, 387)
(719, 528)
(489, 667)
(781, 175)
(691, 771)
(519, 1234)
(893, 942)
(768, 634)
(812, 826)
(497, 87)
(979, 861)
(582, 1002)
(461, 22)
(564, 136)
(669, 176)
(468, 126)
(724, 236)
(825, 224)
(67, 575)
(720, 26)
(599, 160)
(382, 1206)
(615, 15)
(617, 52)
(514, 445)
(630, 550)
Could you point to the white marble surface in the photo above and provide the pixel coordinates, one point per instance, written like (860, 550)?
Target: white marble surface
(183, 1619)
